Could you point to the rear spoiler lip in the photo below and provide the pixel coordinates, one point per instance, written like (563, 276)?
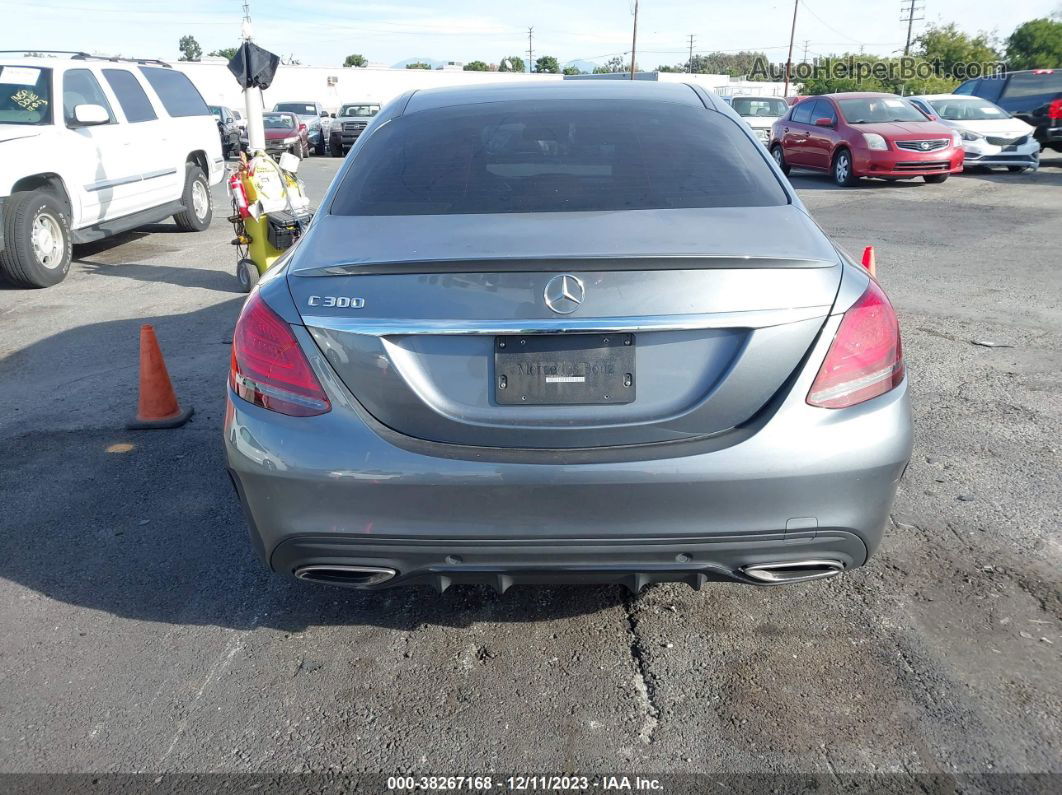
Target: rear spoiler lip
(635, 262)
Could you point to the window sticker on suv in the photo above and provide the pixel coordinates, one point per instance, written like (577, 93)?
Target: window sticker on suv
(25, 94)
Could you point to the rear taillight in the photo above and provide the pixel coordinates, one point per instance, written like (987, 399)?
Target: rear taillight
(865, 358)
(1054, 110)
(269, 368)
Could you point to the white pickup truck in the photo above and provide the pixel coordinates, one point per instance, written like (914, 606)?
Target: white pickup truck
(90, 147)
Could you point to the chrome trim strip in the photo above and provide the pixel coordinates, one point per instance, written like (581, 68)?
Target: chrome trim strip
(759, 318)
(103, 184)
(156, 174)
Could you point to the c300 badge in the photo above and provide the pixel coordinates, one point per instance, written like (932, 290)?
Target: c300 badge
(337, 301)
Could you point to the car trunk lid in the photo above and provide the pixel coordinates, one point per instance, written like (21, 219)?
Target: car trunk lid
(705, 313)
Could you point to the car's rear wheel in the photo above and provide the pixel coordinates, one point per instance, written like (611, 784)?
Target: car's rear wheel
(935, 179)
(843, 174)
(38, 243)
(198, 205)
(779, 158)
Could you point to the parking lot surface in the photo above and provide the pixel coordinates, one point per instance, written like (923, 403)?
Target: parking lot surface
(139, 633)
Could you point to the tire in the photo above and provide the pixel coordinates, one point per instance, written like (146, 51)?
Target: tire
(779, 158)
(319, 147)
(936, 179)
(335, 149)
(196, 195)
(247, 274)
(1017, 169)
(38, 244)
(841, 168)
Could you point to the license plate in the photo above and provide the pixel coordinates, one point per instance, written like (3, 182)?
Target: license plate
(564, 369)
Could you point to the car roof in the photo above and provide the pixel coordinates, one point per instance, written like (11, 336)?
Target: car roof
(450, 96)
(14, 59)
(945, 96)
(861, 95)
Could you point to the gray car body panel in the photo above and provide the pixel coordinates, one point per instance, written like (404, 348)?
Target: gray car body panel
(718, 464)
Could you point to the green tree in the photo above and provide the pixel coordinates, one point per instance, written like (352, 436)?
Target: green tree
(514, 63)
(1037, 44)
(547, 63)
(190, 49)
(355, 60)
(666, 68)
(225, 52)
(419, 65)
(735, 64)
(612, 65)
(573, 70)
(946, 46)
(477, 66)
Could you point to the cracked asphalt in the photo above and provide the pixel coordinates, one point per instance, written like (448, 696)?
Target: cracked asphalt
(139, 633)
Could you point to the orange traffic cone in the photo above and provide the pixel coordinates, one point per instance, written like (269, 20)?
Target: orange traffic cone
(158, 407)
(868, 261)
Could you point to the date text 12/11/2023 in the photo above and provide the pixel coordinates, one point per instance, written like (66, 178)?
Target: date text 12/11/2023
(531, 783)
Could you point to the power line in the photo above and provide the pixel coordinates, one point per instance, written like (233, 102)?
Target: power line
(910, 10)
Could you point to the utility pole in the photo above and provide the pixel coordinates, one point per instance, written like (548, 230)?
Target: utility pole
(530, 57)
(691, 54)
(910, 10)
(634, 38)
(245, 26)
(789, 60)
(805, 58)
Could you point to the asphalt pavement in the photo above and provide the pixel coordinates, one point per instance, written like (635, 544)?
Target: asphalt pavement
(140, 634)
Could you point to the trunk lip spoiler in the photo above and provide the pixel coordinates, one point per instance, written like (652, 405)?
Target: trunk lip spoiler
(648, 262)
(746, 319)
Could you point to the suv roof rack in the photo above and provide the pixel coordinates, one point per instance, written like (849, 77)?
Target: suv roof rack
(78, 55)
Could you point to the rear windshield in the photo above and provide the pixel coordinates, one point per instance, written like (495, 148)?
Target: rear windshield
(754, 106)
(557, 156)
(301, 108)
(1044, 84)
(278, 121)
(25, 95)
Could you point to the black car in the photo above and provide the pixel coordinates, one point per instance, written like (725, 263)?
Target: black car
(1033, 95)
(227, 128)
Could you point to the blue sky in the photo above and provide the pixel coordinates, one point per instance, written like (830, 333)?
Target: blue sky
(322, 32)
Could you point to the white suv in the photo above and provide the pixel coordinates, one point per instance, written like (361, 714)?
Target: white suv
(92, 147)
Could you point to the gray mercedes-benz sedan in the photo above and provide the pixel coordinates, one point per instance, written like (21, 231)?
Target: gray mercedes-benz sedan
(565, 332)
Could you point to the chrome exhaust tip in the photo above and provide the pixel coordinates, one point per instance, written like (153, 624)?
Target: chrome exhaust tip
(792, 571)
(350, 576)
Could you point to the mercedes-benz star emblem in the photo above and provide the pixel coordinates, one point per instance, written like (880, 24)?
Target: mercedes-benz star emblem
(564, 293)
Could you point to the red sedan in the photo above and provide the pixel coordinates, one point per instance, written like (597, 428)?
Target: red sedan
(858, 135)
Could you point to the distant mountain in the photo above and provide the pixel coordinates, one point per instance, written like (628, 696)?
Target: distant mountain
(432, 61)
(582, 66)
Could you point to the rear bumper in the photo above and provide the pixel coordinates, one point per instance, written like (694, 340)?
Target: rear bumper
(441, 562)
(809, 483)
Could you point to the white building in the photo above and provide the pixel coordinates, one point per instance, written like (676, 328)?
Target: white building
(334, 85)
